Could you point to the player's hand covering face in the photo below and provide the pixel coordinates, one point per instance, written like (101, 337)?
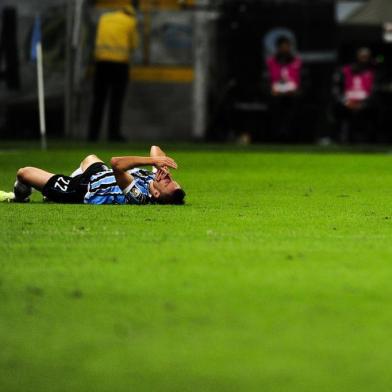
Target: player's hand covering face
(164, 163)
(163, 175)
(164, 181)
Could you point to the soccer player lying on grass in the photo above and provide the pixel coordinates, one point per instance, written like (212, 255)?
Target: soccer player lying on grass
(95, 183)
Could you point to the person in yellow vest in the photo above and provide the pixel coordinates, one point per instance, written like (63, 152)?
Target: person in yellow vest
(116, 39)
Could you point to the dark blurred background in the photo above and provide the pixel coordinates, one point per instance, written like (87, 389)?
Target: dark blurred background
(200, 71)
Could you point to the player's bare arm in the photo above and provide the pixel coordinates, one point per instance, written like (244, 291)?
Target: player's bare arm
(121, 165)
(156, 151)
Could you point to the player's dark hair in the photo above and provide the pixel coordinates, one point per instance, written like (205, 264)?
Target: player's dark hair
(282, 39)
(176, 197)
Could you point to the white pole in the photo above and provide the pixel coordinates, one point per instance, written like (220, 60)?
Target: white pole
(201, 65)
(68, 85)
(41, 96)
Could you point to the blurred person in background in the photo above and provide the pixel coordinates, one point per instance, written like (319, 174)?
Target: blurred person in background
(285, 82)
(116, 39)
(354, 98)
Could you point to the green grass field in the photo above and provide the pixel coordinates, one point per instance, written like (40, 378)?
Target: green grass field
(276, 276)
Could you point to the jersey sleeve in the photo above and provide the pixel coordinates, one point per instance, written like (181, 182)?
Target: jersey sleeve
(137, 193)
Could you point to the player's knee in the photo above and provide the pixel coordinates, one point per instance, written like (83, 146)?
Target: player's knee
(23, 173)
(90, 157)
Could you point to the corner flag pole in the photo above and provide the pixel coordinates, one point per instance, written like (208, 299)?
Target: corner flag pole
(36, 54)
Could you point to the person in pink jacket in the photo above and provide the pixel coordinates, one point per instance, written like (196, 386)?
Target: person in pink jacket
(354, 95)
(285, 82)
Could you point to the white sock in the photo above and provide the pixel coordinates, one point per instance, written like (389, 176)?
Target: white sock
(77, 172)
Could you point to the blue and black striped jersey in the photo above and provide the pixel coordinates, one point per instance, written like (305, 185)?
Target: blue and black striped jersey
(103, 188)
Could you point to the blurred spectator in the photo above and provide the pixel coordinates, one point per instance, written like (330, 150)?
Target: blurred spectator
(354, 97)
(116, 38)
(285, 82)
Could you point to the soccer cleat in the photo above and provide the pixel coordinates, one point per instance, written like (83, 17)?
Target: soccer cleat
(22, 192)
(7, 196)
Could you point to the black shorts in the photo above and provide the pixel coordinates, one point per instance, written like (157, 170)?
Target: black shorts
(65, 189)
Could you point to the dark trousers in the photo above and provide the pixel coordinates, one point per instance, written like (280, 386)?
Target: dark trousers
(356, 126)
(284, 117)
(110, 81)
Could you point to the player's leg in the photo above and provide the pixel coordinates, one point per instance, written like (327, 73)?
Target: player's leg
(33, 176)
(85, 164)
(90, 166)
(77, 172)
(63, 189)
(28, 178)
(88, 161)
